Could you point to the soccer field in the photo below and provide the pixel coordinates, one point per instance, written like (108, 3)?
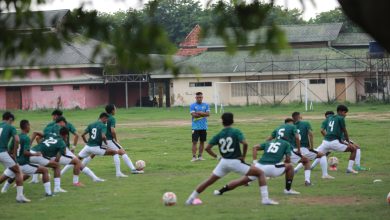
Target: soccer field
(162, 137)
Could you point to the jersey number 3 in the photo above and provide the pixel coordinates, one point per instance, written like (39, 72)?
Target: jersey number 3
(226, 144)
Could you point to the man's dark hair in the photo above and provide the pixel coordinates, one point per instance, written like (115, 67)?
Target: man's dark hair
(110, 108)
(103, 115)
(327, 113)
(57, 112)
(8, 115)
(199, 93)
(227, 118)
(288, 120)
(23, 124)
(295, 114)
(64, 131)
(61, 118)
(342, 108)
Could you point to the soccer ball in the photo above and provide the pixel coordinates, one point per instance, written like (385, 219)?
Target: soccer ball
(333, 161)
(140, 164)
(169, 199)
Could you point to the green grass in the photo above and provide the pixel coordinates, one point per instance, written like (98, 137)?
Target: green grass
(161, 137)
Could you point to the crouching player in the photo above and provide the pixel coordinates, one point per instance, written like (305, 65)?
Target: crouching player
(232, 160)
(270, 163)
(23, 159)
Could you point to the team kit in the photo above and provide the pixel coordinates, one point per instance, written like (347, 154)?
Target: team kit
(27, 155)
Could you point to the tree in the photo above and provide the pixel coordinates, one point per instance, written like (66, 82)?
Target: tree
(336, 15)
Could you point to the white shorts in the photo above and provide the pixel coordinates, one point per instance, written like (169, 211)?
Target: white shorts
(7, 160)
(69, 153)
(270, 170)
(64, 159)
(40, 160)
(226, 166)
(29, 169)
(111, 144)
(87, 151)
(8, 172)
(306, 152)
(328, 146)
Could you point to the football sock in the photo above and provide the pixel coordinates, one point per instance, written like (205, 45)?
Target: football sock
(298, 167)
(315, 162)
(57, 183)
(86, 160)
(19, 191)
(324, 165)
(288, 184)
(117, 163)
(264, 192)
(11, 180)
(6, 185)
(194, 194)
(224, 189)
(357, 159)
(307, 175)
(47, 187)
(199, 155)
(128, 161)
(350, 164)
(34, 178)
(75, 179)
(89, 173)
(66, 168)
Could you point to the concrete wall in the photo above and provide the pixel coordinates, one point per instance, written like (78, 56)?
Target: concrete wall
(2, 98)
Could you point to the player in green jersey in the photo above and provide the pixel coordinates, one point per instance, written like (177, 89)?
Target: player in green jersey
(72, 130)
(228, 141)
(23, 159)
(7, 131)
(335, 131)
(113, 144)
(306, 139)
(271, 163)
(289, 132)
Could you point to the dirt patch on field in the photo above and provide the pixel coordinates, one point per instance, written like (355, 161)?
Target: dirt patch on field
(330, 200)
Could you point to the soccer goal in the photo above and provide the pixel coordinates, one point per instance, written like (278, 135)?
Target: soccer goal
(260, 92)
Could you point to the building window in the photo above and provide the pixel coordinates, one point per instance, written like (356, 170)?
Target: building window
(372, 85)
(76, 87)
(271, 88)
(46, 88)
(317, 81)
(241, 89)
(201, 84)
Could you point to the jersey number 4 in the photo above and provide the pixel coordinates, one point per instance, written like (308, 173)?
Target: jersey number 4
(331, 124)
(225, 145)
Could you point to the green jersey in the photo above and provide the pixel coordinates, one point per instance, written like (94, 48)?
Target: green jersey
(324, 125)
(95, 131)
(303, 128)
(51, 146)
(287, 132)
(72, 130)
(24, 145)
(7, 131)
(51, 129)
(228, 141)
(334, 128)
(110, 124)
(274, 151)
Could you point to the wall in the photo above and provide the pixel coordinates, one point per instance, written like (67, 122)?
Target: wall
(2, 98)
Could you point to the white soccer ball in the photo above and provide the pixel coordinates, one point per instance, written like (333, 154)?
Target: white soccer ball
(333, 161)
(169, 199)
(388, 198)
(140, 164)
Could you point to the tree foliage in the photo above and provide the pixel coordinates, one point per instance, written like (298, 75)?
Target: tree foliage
(336, 15)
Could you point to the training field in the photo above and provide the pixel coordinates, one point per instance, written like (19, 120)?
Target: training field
(162, 137)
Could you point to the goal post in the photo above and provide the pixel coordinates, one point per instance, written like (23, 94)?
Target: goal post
(260, 92)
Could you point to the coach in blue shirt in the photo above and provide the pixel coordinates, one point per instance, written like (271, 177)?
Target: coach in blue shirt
(199, 112)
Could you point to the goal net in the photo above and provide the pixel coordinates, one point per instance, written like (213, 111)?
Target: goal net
(260, 92)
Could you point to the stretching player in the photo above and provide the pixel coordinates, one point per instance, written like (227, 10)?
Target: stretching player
(335, 131)
(7, 131)
(270, 163)
(23, 159)
(228, 140)
(113, 144)
(290, 133)
(306, 137)
(97, 135)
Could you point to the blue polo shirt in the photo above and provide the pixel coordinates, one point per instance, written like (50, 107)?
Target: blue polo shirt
(199, 123)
